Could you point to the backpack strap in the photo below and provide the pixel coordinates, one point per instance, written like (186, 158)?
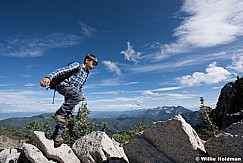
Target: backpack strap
(80, 66)
(74, 72)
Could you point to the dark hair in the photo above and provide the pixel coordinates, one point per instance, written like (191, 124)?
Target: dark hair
(91, 57)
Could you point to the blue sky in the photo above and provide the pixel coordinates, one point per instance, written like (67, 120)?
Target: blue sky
(151, 53)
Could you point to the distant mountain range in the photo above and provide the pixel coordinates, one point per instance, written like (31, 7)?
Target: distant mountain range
(18, 114)
(118, 121)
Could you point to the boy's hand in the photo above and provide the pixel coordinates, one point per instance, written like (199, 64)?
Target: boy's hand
(45, 82)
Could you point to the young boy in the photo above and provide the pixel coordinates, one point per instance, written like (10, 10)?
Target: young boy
(71, 88)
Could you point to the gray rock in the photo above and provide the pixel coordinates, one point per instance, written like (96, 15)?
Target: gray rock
(34, 154)
(9, 155)
(62, 154)
(176, 139)
(235, 129)
(228, 143)
(138, 150)
(98, 147)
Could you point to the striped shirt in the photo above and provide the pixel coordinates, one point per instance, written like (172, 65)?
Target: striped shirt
(77, 80)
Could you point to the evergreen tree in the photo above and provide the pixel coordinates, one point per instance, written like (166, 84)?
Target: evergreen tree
(46, 127)
(209, 129)
(31, 127)
(122, 138)
(78, 126)
(104, 126)
(37, 126)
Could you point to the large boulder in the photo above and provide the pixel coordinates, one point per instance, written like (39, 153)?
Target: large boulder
(228, 144)
(62, 154)
(34, 154)
(176, 139)
(173, 141)
(139, 150)
(98, 147)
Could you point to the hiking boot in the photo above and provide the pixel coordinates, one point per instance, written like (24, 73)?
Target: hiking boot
(59, 118)
(58, 140)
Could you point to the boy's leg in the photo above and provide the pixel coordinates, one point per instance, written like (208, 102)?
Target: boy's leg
(72, 98)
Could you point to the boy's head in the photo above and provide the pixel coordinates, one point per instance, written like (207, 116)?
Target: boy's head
(91, 61)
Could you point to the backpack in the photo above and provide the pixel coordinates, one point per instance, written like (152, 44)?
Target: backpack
(55, 81)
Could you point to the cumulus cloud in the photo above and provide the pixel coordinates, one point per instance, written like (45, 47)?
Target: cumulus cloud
(237, 62)
(130, 54)
(112, 67)
(214, 74)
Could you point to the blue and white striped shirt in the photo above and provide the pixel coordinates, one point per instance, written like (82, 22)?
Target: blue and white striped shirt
(77, 80)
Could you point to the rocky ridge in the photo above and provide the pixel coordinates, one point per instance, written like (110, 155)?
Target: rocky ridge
(163, 141)
(229, 108)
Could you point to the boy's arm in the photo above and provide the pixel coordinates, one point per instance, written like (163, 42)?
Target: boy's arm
(67, 69)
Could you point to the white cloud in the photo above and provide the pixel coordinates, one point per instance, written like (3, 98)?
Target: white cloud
(150, 93)
(130, 54)
(29, 85)
(214, 74)
(6, 85)
(110, 82)
(29, 67)
(237, 62)
(104, 93)
(122, 106)
(26, 75)
(115, 82)
(34, 47)
(181, 61)
(206, 24)
(114, 100)
(27, 101)
(176, 96)
(166, 89)
(86, 30)
(130, 83)
(112, 67)
(210, 23)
